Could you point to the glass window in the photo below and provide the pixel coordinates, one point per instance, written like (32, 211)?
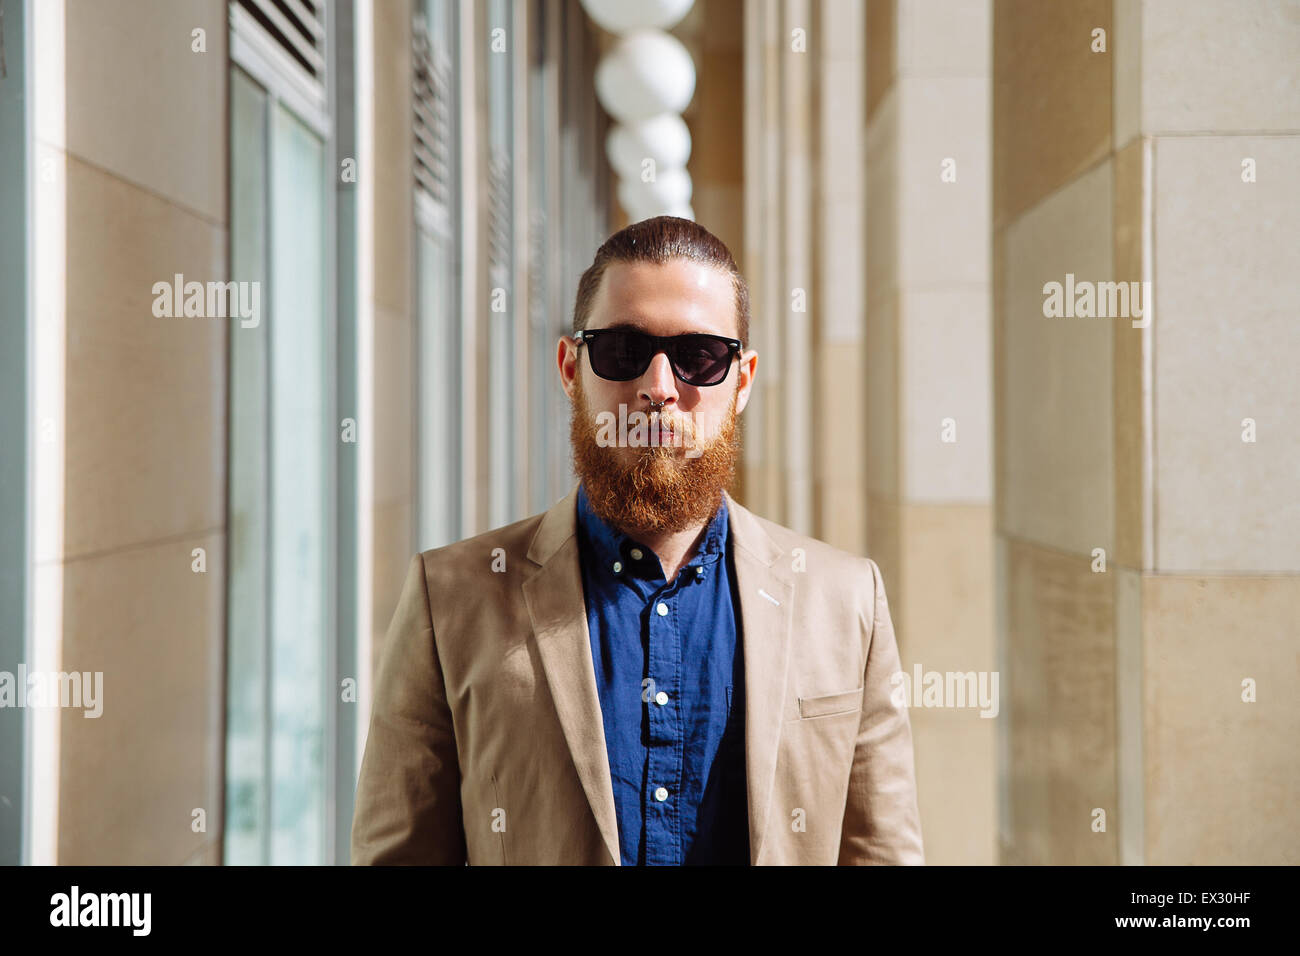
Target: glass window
(439, 389)
(438, 295)
(280, 630)
(247, 753)
(300, 463)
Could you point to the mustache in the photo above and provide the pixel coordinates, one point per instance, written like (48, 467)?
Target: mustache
(675, 422)
(680, 423)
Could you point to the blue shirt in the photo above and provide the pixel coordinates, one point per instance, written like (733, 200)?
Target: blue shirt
(670, 675)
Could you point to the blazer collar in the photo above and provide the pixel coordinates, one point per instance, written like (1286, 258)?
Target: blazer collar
(554, 596)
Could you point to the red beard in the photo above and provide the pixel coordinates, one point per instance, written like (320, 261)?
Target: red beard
(655, 489)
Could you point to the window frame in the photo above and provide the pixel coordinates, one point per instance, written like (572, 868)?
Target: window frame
(314, 104)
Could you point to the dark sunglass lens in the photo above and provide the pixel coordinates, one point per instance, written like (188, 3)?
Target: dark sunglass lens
(619, 354)
(702, 359)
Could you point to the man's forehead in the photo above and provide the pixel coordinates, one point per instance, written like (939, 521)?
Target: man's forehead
(682, 293)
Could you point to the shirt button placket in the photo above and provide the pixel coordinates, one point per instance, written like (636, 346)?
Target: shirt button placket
(663, 777)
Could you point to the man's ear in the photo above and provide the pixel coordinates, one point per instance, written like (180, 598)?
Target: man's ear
(748, 366)
(566, 357)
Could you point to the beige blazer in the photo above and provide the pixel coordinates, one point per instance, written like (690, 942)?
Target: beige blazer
(486, 744)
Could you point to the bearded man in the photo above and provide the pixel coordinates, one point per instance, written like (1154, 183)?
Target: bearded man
(647, 673)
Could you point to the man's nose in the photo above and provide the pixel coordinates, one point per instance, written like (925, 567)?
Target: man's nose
(659, 384)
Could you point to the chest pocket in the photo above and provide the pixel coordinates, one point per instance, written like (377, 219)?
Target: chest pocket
(827, 705)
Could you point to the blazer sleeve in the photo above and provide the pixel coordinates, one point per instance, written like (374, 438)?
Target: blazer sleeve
(881, 822)
(408, 794)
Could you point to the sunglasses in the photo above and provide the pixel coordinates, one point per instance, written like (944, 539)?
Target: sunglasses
(621, 355)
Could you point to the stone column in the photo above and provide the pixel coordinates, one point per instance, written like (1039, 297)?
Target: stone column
(129, 452)
(1148, 527)
(929, 396)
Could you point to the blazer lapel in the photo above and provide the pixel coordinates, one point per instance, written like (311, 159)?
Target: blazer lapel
(766, 589)
(554, 596)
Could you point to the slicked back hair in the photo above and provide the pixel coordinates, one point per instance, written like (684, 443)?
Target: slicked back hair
(660, 240)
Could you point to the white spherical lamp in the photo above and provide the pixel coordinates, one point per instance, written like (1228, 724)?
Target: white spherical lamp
(663, 138)
(620, 16)
(646, 73)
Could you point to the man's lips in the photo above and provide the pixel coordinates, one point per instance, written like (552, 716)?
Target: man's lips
(659, 435)
(667, 431)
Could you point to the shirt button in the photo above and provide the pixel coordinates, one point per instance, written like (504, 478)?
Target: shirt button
(636, 554)
(662, 609)
(699, 572)
(661, 698)
(618, 566)
(661, 794)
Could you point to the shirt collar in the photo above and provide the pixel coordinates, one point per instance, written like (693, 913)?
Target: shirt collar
(610, 546)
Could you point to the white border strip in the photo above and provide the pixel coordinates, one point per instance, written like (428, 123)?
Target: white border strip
(47, 427)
